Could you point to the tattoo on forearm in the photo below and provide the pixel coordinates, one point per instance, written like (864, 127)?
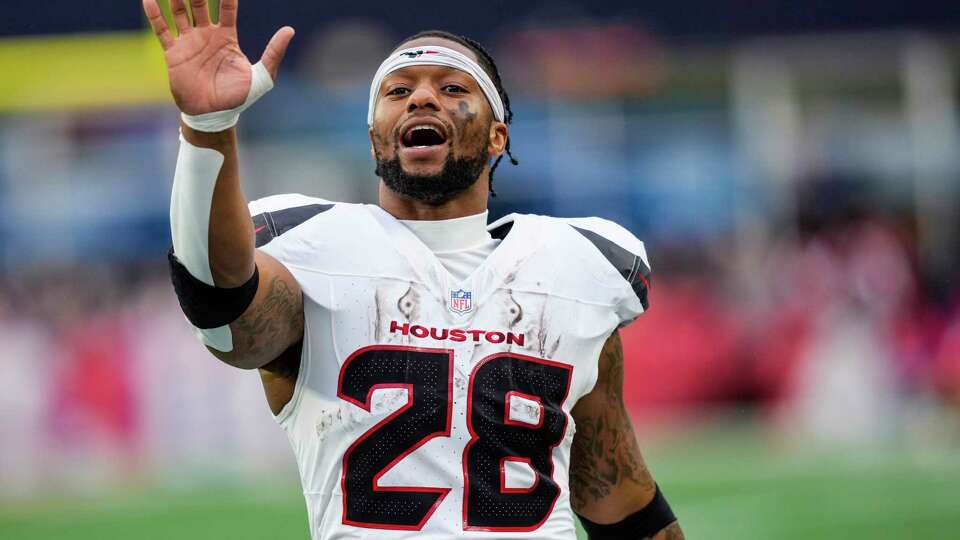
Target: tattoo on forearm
(264, 330)
(605, 452)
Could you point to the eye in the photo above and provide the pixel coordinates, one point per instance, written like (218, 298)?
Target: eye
(454, 89)
(398, 91)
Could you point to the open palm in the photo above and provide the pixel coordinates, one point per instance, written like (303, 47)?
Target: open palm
(207, 70)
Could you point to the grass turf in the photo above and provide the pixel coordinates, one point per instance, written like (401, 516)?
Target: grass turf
(722, 487)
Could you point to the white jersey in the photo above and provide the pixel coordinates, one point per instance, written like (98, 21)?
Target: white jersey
(427, 407)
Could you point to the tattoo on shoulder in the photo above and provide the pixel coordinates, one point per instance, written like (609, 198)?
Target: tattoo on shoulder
(263, 328)
(605, 452)
(613, 359)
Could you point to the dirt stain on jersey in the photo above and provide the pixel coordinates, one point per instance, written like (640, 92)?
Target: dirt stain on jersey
(395, 401)
(327, 419)
(543, 337)
(524, 411)
(554, 347)
(542, 341)
(460, 382)
(377, 331)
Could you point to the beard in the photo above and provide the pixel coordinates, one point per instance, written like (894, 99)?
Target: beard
(458, 175)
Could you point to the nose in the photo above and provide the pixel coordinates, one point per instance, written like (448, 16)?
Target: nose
(422, 97)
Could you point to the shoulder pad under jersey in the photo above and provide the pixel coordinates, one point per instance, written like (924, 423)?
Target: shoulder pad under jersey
(277, 214)
(621, 249)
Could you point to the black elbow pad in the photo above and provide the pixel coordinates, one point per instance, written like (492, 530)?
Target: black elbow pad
(210, 307)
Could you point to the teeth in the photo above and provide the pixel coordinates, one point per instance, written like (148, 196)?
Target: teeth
(409, 134)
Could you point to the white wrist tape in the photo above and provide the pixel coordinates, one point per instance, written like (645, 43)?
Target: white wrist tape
(435, 56)
(193, 184)
(260, 84)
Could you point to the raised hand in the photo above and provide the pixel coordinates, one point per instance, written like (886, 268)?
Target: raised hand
(207, 70)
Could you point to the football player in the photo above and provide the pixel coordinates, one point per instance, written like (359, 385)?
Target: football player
(437, 376)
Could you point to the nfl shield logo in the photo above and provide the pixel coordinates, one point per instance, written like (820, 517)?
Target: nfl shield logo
(460, 301)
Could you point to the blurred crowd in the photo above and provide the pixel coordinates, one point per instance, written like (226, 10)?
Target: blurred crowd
(102, 384)
(833, 326)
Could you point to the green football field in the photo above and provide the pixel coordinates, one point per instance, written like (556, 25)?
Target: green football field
(732, 486)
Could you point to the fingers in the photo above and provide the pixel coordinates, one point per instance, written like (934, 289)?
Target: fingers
(158, 23)
(228, 12)
(201, 16)
(180, 17)
(273, 54)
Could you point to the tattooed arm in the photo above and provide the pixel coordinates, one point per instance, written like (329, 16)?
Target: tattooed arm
(273, 322)
(608, 478)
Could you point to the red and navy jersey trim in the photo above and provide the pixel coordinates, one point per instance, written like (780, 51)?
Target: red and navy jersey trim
(270, 225)
(631, 266)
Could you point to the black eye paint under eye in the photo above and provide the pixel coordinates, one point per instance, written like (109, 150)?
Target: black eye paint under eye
(462, 116)
(464, 108)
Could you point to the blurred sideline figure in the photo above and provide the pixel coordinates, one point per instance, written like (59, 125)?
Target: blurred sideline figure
(434, 374)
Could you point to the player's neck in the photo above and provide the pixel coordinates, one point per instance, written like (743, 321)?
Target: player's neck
(451, 234)
(471, 202)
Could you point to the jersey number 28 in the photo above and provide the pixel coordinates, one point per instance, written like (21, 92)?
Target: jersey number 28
(496, 438)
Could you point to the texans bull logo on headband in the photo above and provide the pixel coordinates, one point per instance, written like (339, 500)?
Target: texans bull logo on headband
(415, 54)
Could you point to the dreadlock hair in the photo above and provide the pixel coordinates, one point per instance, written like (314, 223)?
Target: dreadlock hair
(488, 65)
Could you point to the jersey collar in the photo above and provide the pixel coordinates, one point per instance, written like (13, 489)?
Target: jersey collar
(520, 238)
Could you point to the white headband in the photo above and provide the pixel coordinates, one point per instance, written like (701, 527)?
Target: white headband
(435, 56)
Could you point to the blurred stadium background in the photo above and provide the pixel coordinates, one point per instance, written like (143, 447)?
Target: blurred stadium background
(794, 168)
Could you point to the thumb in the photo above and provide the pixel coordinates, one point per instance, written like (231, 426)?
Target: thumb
(273, 54)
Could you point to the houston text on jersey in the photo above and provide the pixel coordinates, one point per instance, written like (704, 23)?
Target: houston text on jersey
(455, 334)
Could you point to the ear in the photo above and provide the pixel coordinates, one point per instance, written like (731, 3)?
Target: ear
(499, 132)
(373, 154)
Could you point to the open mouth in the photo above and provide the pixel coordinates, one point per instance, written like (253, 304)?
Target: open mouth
(423, 136)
